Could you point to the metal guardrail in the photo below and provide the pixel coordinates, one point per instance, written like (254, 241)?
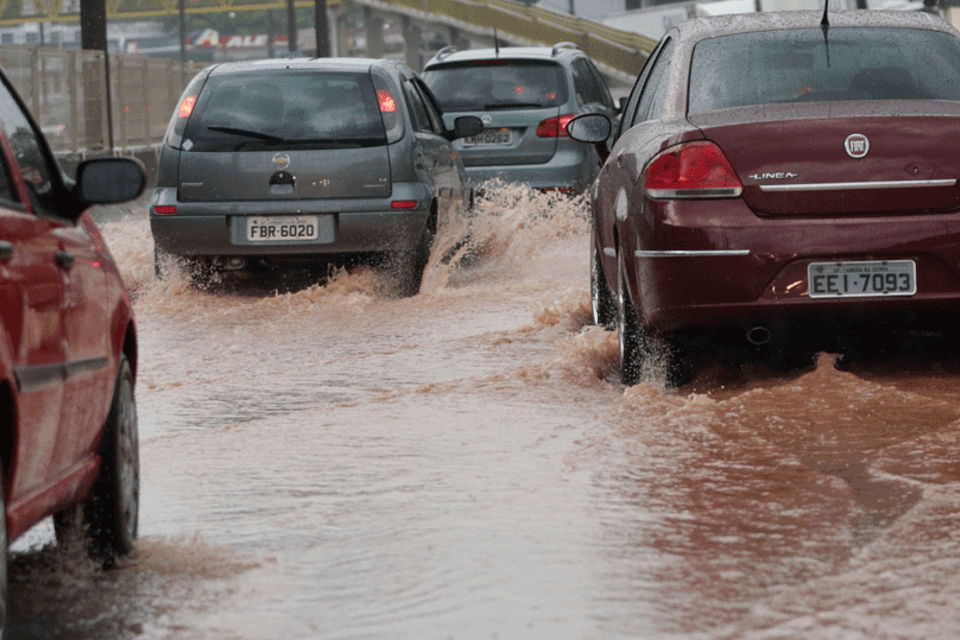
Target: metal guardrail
(62, 86)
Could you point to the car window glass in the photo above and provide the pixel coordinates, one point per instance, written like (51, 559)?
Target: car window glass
(420, 118)
(604, 96)
(630, 110)
(436, 120)
(264, 110)
(584, 83)
(793, 66)
(24, 139)
(497, 84)
(7, 192)
(644, 108)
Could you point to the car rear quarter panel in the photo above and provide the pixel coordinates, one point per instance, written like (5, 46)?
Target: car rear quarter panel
(622, 218)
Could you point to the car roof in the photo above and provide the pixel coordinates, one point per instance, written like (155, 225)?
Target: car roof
(711, 27)
(311, 64)
(560, 50)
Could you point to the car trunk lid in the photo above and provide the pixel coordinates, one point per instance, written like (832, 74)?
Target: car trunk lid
(853, 160)
(508, 137)
(270, 174)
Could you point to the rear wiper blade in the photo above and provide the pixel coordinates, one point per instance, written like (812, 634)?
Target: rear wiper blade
(259, 135)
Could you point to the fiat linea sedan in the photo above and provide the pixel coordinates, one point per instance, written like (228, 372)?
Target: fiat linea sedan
(299, 163)
(68, 349)
(785, 180)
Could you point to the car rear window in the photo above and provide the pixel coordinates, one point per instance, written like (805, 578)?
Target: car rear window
(497, 84)
(860, 63)
(288, 109)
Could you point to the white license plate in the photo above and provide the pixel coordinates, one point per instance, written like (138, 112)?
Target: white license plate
(282, 228)
(860, 279)
(490, 138)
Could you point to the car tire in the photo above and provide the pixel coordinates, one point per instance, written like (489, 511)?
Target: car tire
(412, 265)
(604, 308)
(4, 561)
(159, 266)
(108, 518)
(629, 332)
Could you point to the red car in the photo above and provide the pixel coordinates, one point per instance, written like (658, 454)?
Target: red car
(783, 180)
(68, 350)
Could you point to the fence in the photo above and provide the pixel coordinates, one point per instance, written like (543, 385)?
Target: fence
(64, 88)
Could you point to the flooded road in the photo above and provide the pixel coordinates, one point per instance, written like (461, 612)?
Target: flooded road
(335, 463)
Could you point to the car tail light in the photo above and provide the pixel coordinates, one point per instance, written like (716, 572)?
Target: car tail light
(164, 210)
(386, 101)
(186, 107)
(555, 127)
(403, 204)
(692, 170)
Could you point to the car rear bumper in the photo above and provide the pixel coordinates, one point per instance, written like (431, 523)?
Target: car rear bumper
(571, 167)
(359, 225)
(719, 267)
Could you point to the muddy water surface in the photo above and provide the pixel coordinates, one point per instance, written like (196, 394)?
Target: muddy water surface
(332, 462)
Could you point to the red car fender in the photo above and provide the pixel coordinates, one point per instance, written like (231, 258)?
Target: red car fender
(122, 322)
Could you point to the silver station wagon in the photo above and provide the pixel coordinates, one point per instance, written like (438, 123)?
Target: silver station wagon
(304, 163)
(525, 97)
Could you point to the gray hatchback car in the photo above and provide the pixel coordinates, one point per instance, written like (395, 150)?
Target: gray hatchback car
(525, 97)
(304, 162)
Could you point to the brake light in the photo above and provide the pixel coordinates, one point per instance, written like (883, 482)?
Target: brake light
(555, 127)
(403, 204)
(186, 107)
(692, 170)
(386, 101)
(164, 209)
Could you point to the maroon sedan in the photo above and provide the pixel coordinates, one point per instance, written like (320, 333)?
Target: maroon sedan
(786, 180)
(68, 349)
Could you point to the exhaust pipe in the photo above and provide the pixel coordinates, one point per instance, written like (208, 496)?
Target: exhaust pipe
(758, 336)
(230, 263)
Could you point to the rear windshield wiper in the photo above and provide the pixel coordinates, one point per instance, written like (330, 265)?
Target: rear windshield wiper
(259, 135)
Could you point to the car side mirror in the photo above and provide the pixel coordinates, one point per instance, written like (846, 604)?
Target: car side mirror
(593, 128)
(466, 126)
(110, 180)
(622, 105)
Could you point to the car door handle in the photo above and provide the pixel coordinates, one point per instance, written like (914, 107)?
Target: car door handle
(65, 260)
(6, 250)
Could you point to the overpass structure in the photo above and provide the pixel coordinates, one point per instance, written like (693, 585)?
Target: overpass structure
(131, 104)
(620, 54)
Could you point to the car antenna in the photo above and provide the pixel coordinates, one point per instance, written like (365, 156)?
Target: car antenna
(496, 42)
(825, 25)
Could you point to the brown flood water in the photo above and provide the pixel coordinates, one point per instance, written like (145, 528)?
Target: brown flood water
(335, 463)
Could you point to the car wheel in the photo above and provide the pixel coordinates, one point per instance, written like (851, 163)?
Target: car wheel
(604, 309)
(160, 260)
(412, 265)
(629, 332)
(4, 562)
(108, 519)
